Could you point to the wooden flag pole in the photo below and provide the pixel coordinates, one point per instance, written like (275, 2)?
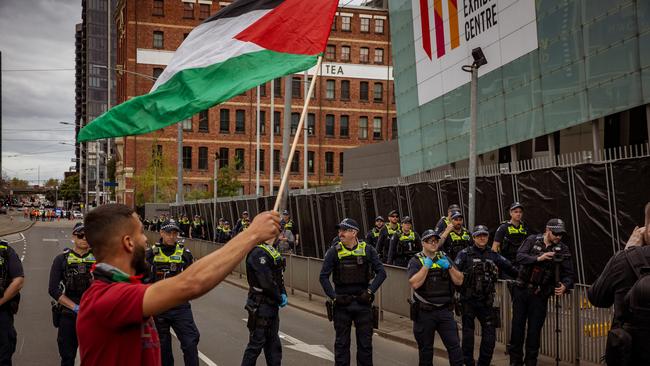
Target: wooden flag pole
(285, 175)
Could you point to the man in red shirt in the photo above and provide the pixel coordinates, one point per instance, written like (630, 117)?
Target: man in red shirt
(115, 324)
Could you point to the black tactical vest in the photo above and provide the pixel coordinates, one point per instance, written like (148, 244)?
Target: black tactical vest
(353, 267)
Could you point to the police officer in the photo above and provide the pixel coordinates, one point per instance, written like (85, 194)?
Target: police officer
(404, 244)
(352, 264)
(511, 234)
(70, 277)
(184, 224)
(481, 267)
(286, 223)
(446, 220)
(386, 233)
(218, 229)
(373, 234)
(197, 229)
(168, 258)
(12, 279)
(538, 257)
(613, 287)
(242, 223)
(455, 236)
(266, 294)
(432, 277)
(226, 232)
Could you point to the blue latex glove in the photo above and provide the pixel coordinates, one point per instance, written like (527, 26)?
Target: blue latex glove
(428, 262)
(76, 309)
(285, 300)
(443, 263)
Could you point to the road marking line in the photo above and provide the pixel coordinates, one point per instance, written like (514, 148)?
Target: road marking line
(45, 239)
(316, 350)
(203, 357)
(22, 237)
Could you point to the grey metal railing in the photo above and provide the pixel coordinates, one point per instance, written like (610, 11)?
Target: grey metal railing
(583, 327)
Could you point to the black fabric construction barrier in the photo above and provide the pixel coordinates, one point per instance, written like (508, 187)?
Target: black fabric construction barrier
(600, 204)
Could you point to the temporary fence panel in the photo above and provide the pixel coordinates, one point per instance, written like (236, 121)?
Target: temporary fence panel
(424, 205)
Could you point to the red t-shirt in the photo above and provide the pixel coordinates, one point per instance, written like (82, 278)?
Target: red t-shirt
(111, 328)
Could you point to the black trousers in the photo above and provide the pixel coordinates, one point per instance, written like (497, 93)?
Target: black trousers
(424, 328)
(528, 316)
(179, 319)
(8, 337)
(67, 338)
(361, 316)
(264, 337)
(483, 313)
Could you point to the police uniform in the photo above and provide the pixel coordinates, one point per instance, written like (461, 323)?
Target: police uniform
(535, 284)
(184, 224)
(442, 223)
(457, 241)
(385, 235)
(403, 246)
(431, 309)
(266, 294)
(168, 261)
(372, 236)
(242, 224)
(286, 224)
(197, 228)
(481, 268)
(225, 234)
(10, 268)
(70, 276)
(352, 295)
(612, 287)
(511, 237)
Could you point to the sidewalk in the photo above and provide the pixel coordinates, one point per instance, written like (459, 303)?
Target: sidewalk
(13, 222)
(393, 327)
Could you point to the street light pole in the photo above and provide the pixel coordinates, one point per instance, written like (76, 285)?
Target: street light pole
(214, 198)
(179, 178)
(479, 60)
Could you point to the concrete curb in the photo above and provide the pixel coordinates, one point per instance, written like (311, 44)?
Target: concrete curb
(15, 231)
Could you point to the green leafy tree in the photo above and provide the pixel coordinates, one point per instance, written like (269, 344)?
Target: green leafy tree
(228, 184)
(69, 190)
(51, 183)
(159, 176)
(18, 183)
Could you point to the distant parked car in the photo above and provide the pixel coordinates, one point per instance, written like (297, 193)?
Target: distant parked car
(77, 215)
(3, 210)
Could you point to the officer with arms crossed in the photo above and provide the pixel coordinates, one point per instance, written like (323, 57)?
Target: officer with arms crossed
(12, 279)
(432, 277)
(625, 283)
(455, 236)
(353, 264)
(266, 294)
(511, 234)
(373, 234)
(168, 258)
(404, 244)
(386, 233)
(481, 267)
(538, 256)
(69, 278)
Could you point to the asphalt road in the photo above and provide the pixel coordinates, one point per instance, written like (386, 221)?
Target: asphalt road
(307, 339)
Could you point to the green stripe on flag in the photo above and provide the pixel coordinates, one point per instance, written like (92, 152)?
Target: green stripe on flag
(193, 90)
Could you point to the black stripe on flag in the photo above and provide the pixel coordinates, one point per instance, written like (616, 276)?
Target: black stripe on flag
(241, 7)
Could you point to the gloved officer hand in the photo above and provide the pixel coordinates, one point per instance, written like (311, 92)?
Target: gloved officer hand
(75, 308)
(428, 262)
(366, 298)
(443, 262)
(285, 300)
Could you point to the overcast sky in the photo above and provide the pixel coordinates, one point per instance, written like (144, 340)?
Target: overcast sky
(37, 35)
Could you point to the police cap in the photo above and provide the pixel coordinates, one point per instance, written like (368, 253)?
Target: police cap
(516, 205)
(285, 212)
(430, 233)
(480, 230)
(407, 220)
(393, 213)
(379, 218)
(170, 226)
(78, 228)
(556, 226)
(453, 207)
(244, 213)
(348, 224)
(456, 214)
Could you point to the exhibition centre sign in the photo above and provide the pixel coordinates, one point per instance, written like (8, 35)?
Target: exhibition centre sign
(446, 31)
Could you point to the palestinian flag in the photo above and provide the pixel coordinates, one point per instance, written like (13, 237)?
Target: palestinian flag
(243, 45)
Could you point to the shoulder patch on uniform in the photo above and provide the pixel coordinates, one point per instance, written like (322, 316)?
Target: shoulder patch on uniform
(262, 260)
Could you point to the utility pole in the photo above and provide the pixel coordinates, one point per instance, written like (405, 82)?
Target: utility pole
(272, 146)
(305, 137)
(179, 174)
(257, 146)
(288, 90)
(214, 197)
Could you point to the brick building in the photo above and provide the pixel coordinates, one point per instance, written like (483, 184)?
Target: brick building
(353, 103)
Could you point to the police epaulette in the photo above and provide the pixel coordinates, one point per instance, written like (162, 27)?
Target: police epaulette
(337, 247)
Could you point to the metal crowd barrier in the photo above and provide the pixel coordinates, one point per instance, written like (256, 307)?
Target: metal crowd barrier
(583, 327)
